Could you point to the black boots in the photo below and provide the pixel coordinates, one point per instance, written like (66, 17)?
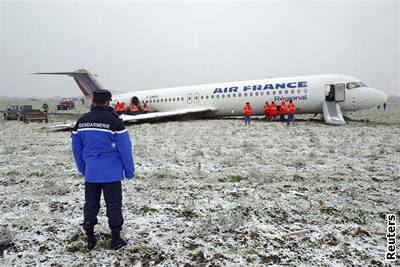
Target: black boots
(116, 240)
(91, 239)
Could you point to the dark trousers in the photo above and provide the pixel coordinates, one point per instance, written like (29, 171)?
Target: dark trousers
(113, 198)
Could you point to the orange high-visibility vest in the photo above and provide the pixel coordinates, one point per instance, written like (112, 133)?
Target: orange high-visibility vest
(267, 109)
(134, 108)
(119, 107)
(282, 109)
(292, 108)
(248, 110)
(273, 109)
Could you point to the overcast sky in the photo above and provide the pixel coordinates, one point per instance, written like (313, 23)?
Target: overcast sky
(136, 45)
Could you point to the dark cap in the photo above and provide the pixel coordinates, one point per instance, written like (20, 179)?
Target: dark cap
(101, 95)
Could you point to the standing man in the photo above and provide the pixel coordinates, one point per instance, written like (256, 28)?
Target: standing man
(133, 109)
(282, 111)
(247, 112)
(291, 111)
(267, 110)
(45, 107)
(120, 108)
(273, 110)
(145, 108)
(103, 154)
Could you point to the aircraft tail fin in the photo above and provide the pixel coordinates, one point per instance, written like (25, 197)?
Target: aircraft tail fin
(85, 79)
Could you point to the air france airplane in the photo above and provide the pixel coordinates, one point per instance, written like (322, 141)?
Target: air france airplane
(329, 95)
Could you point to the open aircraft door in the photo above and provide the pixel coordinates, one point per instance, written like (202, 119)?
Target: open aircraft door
(340, 92)
(335, 92)
(332, 113)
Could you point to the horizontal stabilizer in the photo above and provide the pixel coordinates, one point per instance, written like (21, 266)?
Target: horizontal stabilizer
(84, 78)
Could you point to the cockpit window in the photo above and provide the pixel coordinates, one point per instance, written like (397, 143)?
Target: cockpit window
(351, 85)
(362, 84)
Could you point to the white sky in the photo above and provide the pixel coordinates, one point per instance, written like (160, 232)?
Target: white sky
(136, 45)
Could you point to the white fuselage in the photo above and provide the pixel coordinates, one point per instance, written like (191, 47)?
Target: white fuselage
(307, 92)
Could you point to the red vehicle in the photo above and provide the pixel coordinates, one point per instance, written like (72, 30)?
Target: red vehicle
(66, 104)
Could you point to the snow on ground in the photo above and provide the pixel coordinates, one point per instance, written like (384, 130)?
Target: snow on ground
(209, 193)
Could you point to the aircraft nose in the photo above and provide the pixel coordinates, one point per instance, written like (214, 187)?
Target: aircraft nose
(379, 97)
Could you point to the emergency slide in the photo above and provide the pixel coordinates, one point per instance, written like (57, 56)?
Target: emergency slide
(332, 113)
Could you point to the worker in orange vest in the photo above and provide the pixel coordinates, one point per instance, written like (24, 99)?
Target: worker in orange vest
(273, 111)
(146, 108)
(120, 107)
(282, 111)
(133, 109)
(291, 111)
(267, 110)
(247, 112)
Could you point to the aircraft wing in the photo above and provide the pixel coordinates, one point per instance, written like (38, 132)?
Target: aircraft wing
(147, 116)
(60, 127)
(167, 114)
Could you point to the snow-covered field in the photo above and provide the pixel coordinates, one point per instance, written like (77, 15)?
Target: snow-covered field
(210, 193)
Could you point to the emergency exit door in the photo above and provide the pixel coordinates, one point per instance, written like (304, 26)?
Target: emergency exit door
(340, 95)
(335, 92)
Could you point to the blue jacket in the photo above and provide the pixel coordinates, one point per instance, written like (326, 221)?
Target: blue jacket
(101, 147)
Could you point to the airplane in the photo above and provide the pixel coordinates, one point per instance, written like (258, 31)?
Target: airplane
(328, 94)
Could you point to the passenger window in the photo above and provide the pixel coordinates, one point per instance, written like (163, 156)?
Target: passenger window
(267, 92)
(305, 90)
(251, 94)
(292, 91)
(240, 95)
(212, 96)
(262, 93)
(201, 97)
(280, 92)
(223, 95)
(245, 94)
(217, 96)
(298, 91)
(256, 93)
(228, 95)
(206, 96)
(273, 92)
(286, 91)
(234, 95)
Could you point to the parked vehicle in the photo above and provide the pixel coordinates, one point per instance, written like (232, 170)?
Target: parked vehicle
(15, 112)
(24, 113)
(66, 104)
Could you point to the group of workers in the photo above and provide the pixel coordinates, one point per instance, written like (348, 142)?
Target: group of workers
(271, 111)
(132, 110)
